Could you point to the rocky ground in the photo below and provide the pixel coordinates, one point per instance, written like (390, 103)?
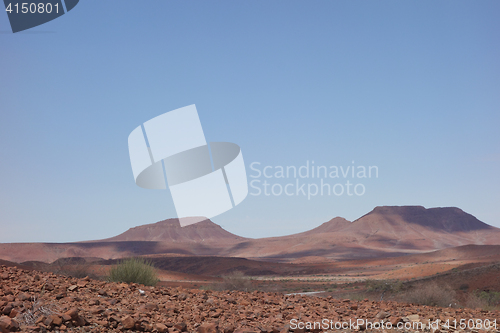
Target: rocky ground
(39, 301)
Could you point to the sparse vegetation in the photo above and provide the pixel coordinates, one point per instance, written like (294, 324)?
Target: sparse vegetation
(357, 296)
(430, 293)
(75, 267)
(485, 300)
(234, 281)
(394, 286)
(35, 310)
(134, 270)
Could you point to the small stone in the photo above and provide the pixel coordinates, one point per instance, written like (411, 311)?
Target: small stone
(207, 328)
(181, 327)
(8, 324)
(228, 329)
(382, 315)
(394, 320)
(128, 323)
(414, 317)
(82, 283)
(161, 328)
(56, 320)
(71, 313)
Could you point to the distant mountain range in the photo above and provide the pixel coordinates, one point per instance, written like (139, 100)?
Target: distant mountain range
(386, 231)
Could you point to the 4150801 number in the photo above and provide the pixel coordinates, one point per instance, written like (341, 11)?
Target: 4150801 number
(25, 7)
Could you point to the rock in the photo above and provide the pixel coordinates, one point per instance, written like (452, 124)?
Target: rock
(7, 291)
(161, 328)
(285, 328)
(60, 296)
(8, 324)
(208, 328)
(24, 288)
(228, 329)
(382, 315)
(128, 323)
(182, 327)
(71, 313)
(395, 320)
(56, 320)
(65, 317)
(413, 317)
(148, 307)
(13, 313)
(82, 283)
(6, 310)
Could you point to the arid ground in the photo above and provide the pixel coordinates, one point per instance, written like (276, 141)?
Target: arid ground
(397, 264)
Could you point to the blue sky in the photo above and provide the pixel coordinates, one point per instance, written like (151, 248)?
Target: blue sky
(410, 87)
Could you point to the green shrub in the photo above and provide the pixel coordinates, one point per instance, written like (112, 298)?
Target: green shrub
(136, 270)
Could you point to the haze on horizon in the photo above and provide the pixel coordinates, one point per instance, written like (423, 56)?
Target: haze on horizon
(408, 87)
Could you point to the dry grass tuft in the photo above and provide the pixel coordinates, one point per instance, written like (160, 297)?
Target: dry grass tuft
(35, 310)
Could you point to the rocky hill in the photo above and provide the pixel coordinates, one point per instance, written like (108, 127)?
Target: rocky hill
(34, 301)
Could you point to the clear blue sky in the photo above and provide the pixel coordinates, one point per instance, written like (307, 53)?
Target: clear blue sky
(412, 87)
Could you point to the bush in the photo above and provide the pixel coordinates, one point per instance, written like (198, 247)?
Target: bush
(485, 300)
(394, 286)
(76, 267)
(357, 296)
(473, 301)
(134, 270)
(235, 281)
(431, 294)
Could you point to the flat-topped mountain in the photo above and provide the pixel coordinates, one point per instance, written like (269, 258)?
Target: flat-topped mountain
(170, 230)
(447, 219)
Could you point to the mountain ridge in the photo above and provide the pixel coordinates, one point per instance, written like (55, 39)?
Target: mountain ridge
(386, 231)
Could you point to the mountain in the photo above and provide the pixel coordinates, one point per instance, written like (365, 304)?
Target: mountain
(203, 238)
(334, 225)
(447, 219)
(386, 231)
(415, 227)
(171, 231)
